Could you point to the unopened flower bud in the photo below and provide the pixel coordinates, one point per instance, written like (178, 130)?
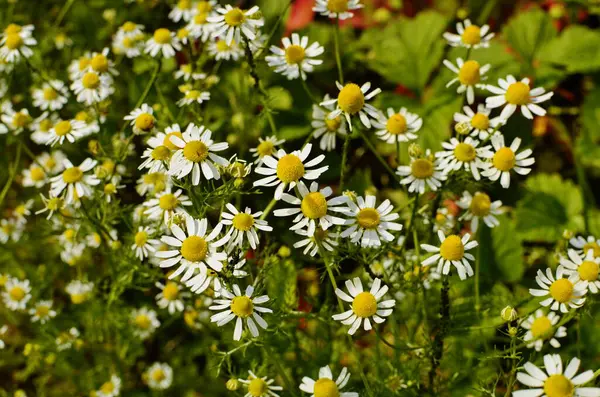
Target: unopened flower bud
(462, 128)
(284, 251)
(237, 120)
(512, 331)
(414, 150)
(232, 384)
(567, 234)
(509, 314)
(94, 146)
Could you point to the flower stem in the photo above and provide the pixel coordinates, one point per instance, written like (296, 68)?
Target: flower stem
(438, 342)
(268, 209)
(338, 59)
(11, 174)
(477, 266)
(377, 155)
(344, 161)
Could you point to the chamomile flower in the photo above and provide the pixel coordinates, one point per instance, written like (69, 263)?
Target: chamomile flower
(3, 331)
(183, 10)
(167, 204)
(469, 75)
(260, 387)
(401, 126)
(289, 169)
(53, 161)
(564, 293)
(142, 119)
(231, 23)
(144, 322)
(193, 96)
(110, 388)
(480, 125)
(194, 252)
(186, 72)
(16, 294)
(266, 147)
(243, 226)
(10, 229)
(79, 291)
(541, 328)
(65, 340)
(325, 128)
(365, 305)
(196, 155)
(171, 297)
(70, 130)
(480, 206)
(222, 51)
(462, 154)
(340, 9)
(78, 66)
(422, 172)
(91, 87)
(199, 28)
(160, 375)
(351, 101)
(241, 307)
(16, 121)
(131, 29)
(505, 158)
(76, 180)
(368, 224)
(143, 245)
(51, 205)
(100, 63)
(554, 382)
(313, 208)
(153, 183)
(129, 45)
(51, 96)
(162, 41)
(515, 94)
(469, 35)
(42, 312)
(16, 44)
(451, 252)
(160, 150)
(325, 238)
(90, 120)
(34, 176)
(583, 245)
(584, 266)
(22, 211)
(296, 58)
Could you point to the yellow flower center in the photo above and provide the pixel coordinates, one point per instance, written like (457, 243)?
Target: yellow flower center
(158, 375)
(257, 387)
(141, 238)
(142, 321)
(168, 202)
(396, 124)
(90, 81)
(45, 125)
(107, 388)
(144, 122)
(314, 205)
(42, 311)
(171, 291)
(195, 151)
(290, 168)
(265, 148)
(562, 290)
(452, 249)
(99, 63)
(588, 271)
(82, 116)
(368, 218)
(480, 121)
(83, 62)
(558, 386)
(421, 168)
(62, 128)
(184, 4)
(337, 5)
(194, 249)
(72, 175)
(364, 305)
(326, 387)
(69, 234)
(54, 203)
(16, 293)
(200, 18)
(234, 17)
(20, 209)
(129, 26)
(183, 33)
(592, 246)
(480, 204)
(471, 35)
(517, 93)
(541, 328)
(469, 73)
(294, 54)
(162, 36)
(161, 153)
(351, 99)
(21, 119)
(13, 41)
(242, 306)
(167, 141)
(334, 123)
(50, 94)
(37, 174)
(128, 42)
(78, 299)
(12, 28)
(203, 7)
(222, 46)
(464, 152)
(193, 94)
(243, 221)
(504, 159)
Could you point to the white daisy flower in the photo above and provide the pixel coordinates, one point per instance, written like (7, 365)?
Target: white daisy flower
(422, 171)
(517, 93)
(171, 297)
(42, 312)
(79, 291)
(584, 267)
(289, 169)
(480, 125)
(193, 96)
(583, 245)
(452, 252)
(195, 155)
(100, 63)
(243, 224)
(10, 229)
(160, 375)
(79, 65)
(340, 9)
(296, 58)
(144, 322)
(22, 211)
(186, 72)
(111, 388)
(399, 126)
(160, 150)
(266, 147)
(142, 119)
(131, 29)
(326, 238)
(199, 28)
(143, 245)
(16, 121)
(194, 251)
(231, 22)
(352, 101)
(183, 10)
(365, 305)
(34, 176)
(469, 35)
(153, 183)
(465, 154)
(554, 382)
(565, 293)
(164, 41)
(92, 87)
(70, 130)
(200, 282)
(129, 45)
(242, 307)
(16, 294)
(480, 206)
(313, 208)
(51, 96)
(65, 340)
(91, 122)
(505, 158)
(16, 42)
(325, 128)
(222, 51)
(53, 161)
(469, 75)
(540, 328)
(260, 387)
(76, 180)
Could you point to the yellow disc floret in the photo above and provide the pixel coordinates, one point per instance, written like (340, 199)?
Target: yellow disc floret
(265, 148)
(37, 173)
(158, 375)
(141, 238)
(294, 54)
(171, 291)
(364, 305)
(504, 159)
(167, 141)
(21, 119)
(99, 63)
(368, 218)
(290, 168)
(333, 124)
(452, 248)
(242, 306)
(517, 94)
(161, 153)
(145, 122)
(90, 81)
(465, 152)
(16, 293)
(562, 290)
(421, 168)
(234, 17)
(592, 246)
(72, 175)
(558, 386)
(62, 128)
(162, 36)
(50, 93)
(168, 202)
(195, 151)
(243, 221)
(257, 387)
(314, 205)
(480, 204)
(337, 6)
(471, 35)
(469, 73)
(194, 249)
(480, 121)
(142, 321)
(396, 124)
(541, 328)
(588, 271)
(351, 99)
(13, 41)
(326, 387)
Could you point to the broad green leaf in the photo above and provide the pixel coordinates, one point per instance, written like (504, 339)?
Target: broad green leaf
(508, 252)
(437, 117)
(528, 32)
(280, 98)
(294, 132)
(575, 50)
(281, 283)
(590, 115)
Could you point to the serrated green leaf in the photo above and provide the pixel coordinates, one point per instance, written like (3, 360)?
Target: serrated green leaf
(575, 50)
(528, 33)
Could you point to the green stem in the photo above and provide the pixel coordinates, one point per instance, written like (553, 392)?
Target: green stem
(62, 13)
(344, 161)
(411, 223)
(338, 59)
(477, 267)
(377, 155)
(11, 174)
(268, 209)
